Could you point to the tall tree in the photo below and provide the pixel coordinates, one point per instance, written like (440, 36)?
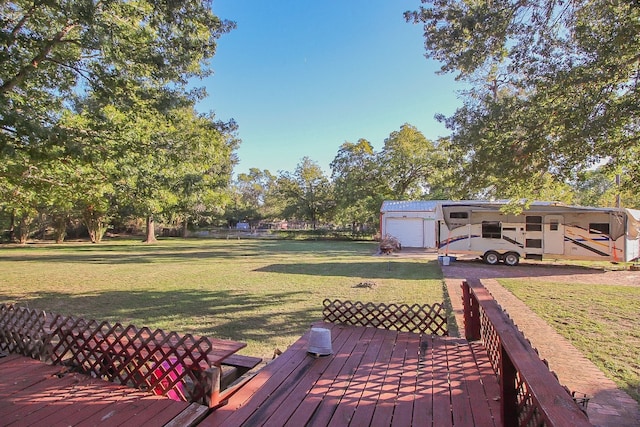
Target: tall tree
(358, 184)
(52, 50)
(308, 193)
(554, 86)
(408, 162)
(205, 157)
(252, 194)
(119, 57)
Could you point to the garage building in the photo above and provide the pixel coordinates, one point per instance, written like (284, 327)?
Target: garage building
(413, 223)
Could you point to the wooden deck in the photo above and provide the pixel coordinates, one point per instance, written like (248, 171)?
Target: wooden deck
(33, 393)
(374, 377)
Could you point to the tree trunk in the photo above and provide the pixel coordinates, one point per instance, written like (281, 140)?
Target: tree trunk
(151, 230)
(95, 225)
(60, 228)
(24, 229)
(185, 228)
(12, 226)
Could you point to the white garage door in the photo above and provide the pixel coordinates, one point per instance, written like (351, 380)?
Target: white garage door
(408, 230)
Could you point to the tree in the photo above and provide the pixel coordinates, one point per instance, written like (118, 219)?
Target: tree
(408, 162)
(252, 197)
(73, 68)
(308, 193)
(51, 51)
(358, 184)
(600, 187)
(186, 163)
(205, 158)
(554, 87)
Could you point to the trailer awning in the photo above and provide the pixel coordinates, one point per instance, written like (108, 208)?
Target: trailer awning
(633, 227)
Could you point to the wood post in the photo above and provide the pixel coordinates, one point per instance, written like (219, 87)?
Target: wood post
(471, 313)
(213, 376)
(508, 390)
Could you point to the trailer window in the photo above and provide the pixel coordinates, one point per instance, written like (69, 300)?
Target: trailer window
(491, 230)
(459, 215)
(533, 243)
(534, 223)
(599, 228)
(553, 225)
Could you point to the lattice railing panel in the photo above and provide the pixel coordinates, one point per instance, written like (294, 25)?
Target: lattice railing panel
(23, 331)
(427, 319)
(163, 363)
(528, 413)
(516, 367)
(491, 341)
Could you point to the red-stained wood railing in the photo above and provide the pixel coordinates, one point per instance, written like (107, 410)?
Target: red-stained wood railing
(530, 393)
(163, 363)
(425, 319)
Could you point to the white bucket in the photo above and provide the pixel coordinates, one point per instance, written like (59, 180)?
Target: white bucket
(445, 260)
(320, 342)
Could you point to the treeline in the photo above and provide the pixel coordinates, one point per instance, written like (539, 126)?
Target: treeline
(185, 186)
(408, 167)
(98, 126)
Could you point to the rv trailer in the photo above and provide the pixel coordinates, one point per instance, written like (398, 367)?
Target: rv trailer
(544, 230)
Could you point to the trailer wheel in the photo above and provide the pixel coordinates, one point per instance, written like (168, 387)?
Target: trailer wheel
(511, 258)
(491, 257)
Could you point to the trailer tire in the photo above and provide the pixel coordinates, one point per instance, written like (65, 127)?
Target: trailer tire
(491, 257)
(511, 258)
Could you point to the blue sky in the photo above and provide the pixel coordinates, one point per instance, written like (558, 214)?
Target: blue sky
(302, 77)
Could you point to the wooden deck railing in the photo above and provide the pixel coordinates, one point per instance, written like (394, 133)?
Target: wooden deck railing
(163, 363)
(530, 394)
(425, 319)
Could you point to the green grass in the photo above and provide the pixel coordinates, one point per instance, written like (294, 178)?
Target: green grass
(265, 293)
(600, 320)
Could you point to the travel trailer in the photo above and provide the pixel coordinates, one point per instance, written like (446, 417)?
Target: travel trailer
(544, 230)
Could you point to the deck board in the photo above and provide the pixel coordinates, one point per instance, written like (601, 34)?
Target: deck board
(491, 388)
(33, 393)
(335, 373)
(460, 399)
(403, 411)
(342, 388)
(480, 407)
(351, 398)
(374, 377)
(384, 409)
(301, 382)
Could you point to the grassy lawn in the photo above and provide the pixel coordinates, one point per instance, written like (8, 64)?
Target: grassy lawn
(265, 293)
(600, 320)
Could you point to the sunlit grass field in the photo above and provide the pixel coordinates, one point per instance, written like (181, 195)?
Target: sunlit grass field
(265, 293)
(602, 321)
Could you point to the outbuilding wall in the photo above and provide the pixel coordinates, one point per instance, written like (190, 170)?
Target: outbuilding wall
(413, 223)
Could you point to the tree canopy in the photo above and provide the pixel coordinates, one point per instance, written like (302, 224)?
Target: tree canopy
(94, 101)
(554, 87)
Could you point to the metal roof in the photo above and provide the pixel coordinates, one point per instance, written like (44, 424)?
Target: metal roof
(409, 205)
(535, 206)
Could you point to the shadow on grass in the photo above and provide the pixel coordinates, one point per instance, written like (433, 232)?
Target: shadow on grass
(178, 251)
(399, 270)
(479, 270)
(221, 314)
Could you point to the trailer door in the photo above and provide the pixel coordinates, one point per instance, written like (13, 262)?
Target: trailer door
(553, 234)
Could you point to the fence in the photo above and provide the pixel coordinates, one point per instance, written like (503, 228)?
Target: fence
(163, 363)
(426, 319)
(530, 394)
